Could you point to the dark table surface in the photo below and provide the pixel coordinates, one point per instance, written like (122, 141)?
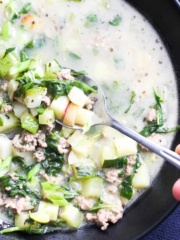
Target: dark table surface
(169, 229)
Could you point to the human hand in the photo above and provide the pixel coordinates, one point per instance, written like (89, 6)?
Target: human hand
(176, 187)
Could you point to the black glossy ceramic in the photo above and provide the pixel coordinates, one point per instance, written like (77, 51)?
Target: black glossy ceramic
(157, 202)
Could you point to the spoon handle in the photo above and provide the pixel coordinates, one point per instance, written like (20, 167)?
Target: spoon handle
(165, 153)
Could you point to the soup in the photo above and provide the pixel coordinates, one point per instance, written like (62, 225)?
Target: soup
(55, 178)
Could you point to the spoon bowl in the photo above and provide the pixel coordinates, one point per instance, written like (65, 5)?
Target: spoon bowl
(104, 118)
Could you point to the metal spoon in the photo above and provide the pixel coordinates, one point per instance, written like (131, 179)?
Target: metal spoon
(106, 119)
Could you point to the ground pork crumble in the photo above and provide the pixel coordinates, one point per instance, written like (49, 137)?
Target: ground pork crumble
(6, 108)
(50, 127)
(51, 179)
(65, 74)
(90, 102)
(151, 115)
(39, 155)
(84, 203)
(112, 176)
(4, 86)
(63, 146)
(112, 189)
(46, 100)
(13, 177)
(104, 216)
(28, 141)
(130, 165)
(19, 204)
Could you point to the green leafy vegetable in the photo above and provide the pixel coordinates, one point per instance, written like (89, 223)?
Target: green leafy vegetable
(148, 130)
(68, 192)
(20, 67)
(9, 213)
(33, 171)
(42, 108)
(91, 20)
(25, 83)
(53, 163)
(23, 56)
(116, 21)
(60, 88)
(168, 130)
(8, 50)
(56, 88)
(14, 17)
(86, 88)
(154, 125)
(36, 43)
(131, 101)
(86, 171)
(10, 9)
(80, 73)
(19, 161)
(17, 187)
(26, 9)
(100, 205)
(126, 189)
(55, 192)
(52, 140)
(34, 227)
(160, 121)
(74, 55)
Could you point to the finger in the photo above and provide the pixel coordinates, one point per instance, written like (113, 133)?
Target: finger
(176, 190)
(177, 150)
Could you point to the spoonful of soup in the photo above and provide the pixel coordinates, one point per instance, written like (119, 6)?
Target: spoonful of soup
(79, 118)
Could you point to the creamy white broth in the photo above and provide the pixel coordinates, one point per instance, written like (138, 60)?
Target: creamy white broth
(125, 58)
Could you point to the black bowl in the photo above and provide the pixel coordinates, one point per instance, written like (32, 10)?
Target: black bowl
(157, 202)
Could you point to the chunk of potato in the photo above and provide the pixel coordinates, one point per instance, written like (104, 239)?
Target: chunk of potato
(5, 147)
(84, 116)
(141, 178)
(83, 147)
(77, 96)
(72, 216)
(75, 138)
(92, 187)
(50, 208)
(124, 145)
(19, 109)
(70, 115)
(41, 217)
(20, 219)
(59, 106)
(72, 158)
(108, 152)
